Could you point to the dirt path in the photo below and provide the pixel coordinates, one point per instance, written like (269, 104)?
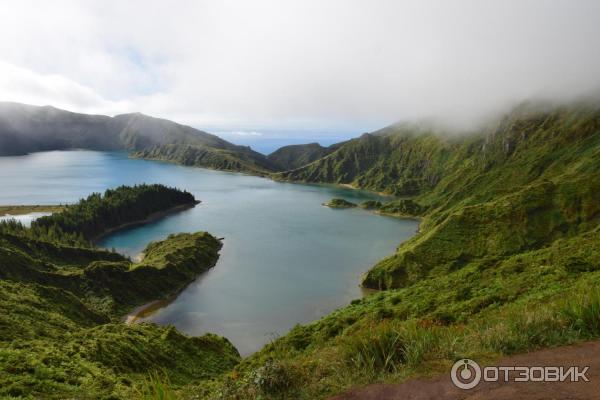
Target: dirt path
(585, 354)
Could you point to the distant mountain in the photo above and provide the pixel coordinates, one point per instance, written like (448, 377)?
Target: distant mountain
(298, 155)
(25, 129)
(399, 160)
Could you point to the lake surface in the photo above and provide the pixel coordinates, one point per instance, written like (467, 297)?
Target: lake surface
(286, 259)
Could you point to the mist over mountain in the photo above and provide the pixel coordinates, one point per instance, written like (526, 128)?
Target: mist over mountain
(25, 129)
(407, 159)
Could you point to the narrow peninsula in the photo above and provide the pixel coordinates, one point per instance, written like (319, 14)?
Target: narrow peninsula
(62, 302)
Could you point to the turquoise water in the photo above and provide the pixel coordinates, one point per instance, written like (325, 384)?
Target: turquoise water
(286, 259)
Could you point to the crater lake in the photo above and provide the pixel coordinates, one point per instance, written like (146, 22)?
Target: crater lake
(286, 259)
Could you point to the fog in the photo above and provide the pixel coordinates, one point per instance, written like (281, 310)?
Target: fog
(277, 69)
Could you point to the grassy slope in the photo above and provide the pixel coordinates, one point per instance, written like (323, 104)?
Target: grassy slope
(539, 298)
(518, 185)
(56, 305)
(207, 157)
(296, 156)
(61, 307)
(160, 139)
(107, 281)
(398, 161)
(506, 261)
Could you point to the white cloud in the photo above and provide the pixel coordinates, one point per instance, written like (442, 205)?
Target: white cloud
(297, 64)
(25, 86)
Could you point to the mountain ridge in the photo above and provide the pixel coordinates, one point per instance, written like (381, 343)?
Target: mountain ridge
(25, 129)
(297, 155)
(518, 183)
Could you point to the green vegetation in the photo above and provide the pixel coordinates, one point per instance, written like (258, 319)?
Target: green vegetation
(80, 223)
(203, 156)
(107, 282)
(402, 161)
(518, 185)
(61, 307)
(506, 260)
(295, 156)
(20, 210)
(399, 208)
(339, 203)
(108, 361)
(56, 339)
(540, 298)
(157, 387)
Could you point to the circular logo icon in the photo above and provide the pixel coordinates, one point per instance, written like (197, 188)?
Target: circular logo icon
(465, 374)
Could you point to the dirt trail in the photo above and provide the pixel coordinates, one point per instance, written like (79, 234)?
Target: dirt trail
(441, 388)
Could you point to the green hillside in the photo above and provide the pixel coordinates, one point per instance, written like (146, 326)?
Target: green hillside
(506, 259)
(62, 305)
(295, 156)
(517, 185)
(208, 157)
(540, 298)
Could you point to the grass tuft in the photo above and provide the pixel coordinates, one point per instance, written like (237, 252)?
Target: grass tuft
(583, 313)
(157, 386)
(382, 350)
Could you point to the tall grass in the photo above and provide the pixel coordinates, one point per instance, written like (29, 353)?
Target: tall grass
(385, 347)
(157, 386)
(583, 313)
(379, 351)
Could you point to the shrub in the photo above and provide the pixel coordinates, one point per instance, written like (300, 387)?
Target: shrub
(583, 313)
(275, 378)
(524, 331)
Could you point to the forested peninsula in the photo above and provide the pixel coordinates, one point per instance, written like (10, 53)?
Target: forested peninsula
(62, 302)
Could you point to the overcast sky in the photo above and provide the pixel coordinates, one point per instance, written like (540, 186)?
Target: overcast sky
(275, 68)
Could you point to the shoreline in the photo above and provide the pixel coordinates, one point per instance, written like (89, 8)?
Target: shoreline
(150, 218)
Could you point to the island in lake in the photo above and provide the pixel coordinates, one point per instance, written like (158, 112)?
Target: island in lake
(339, 203)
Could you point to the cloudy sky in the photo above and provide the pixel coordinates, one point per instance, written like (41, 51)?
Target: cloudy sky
(305, 68)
